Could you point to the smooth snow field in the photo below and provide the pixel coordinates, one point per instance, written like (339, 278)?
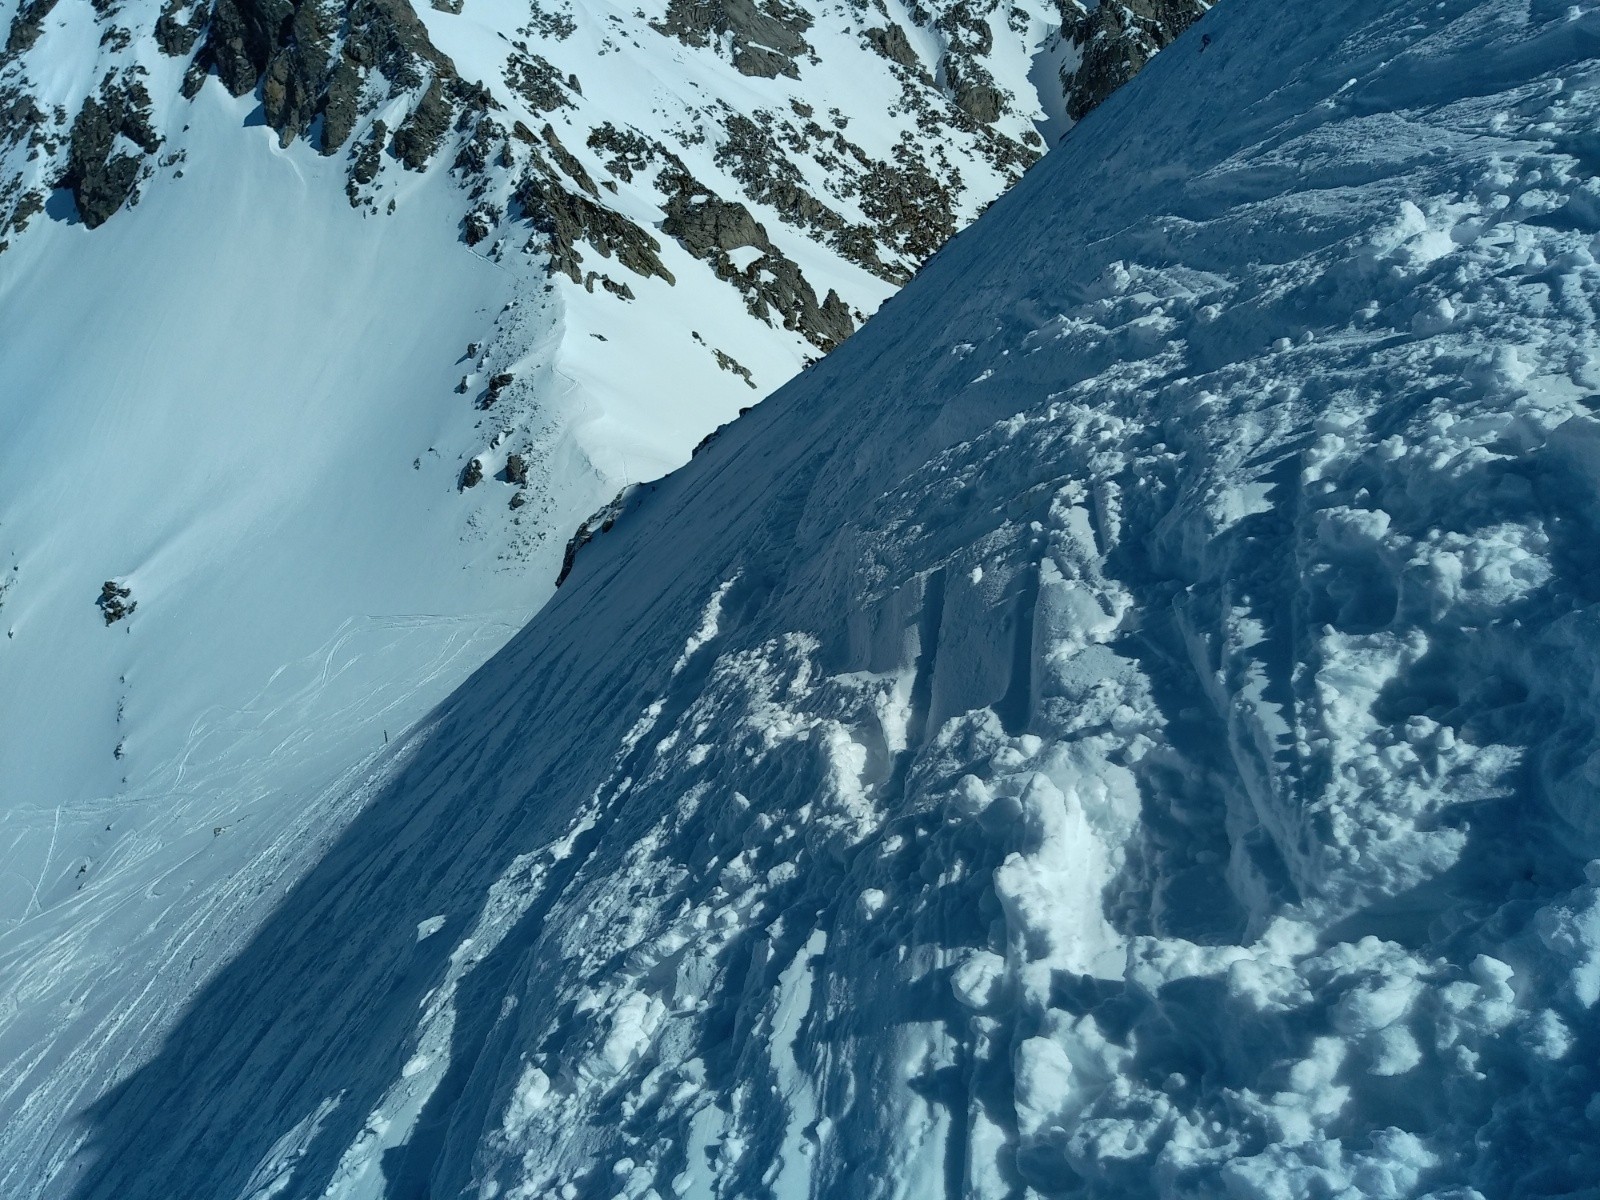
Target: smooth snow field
(1124, 725)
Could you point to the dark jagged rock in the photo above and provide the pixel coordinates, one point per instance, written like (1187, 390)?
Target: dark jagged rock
(630, 151)
(516, 470)
(26, 26)
(538, 83)
(859, 244)
(29, 205)
(497, 384)
(471, 475)
(313, 60)
(487, 144)
(242, 38)
(753, 156)
(554, 26)
(913, 211)
(368, 156)
(707, 224)
(295, 81)
(102, 178)
(567, 219)
(115, 601)
(601, 521)
(421, 132)
(892, 43)
(709, 227)
(1116, 41)
(569, 163)
(974, 90)
(966, 27)
(21, 118)
(728, 363)
(776, 281)
(480, 223)
(177, 34)
(766, 40)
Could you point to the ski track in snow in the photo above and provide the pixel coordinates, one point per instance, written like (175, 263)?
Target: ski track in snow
(1148, 752)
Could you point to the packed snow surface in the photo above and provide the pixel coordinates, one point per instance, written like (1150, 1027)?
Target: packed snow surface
(1123, 725)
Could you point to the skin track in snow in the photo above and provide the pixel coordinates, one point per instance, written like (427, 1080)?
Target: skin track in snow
(1122, 726)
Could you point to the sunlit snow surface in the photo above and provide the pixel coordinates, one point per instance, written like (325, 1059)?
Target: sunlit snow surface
(1124, 725)
(239, 399)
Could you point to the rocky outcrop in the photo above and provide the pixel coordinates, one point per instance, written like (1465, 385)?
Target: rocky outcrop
(421, 132)
(568, 162)
(751, 153)
(176, 33)
(970, 39)
(22, 120)
(765, 40)
(892, 43)
(1116, 40)
(314, 60)
(974, 90)
(775, 281)
(914, 211)
(26, 26)
(732, 365)
(367, 157)
(116, 601)
(102, 177)
(480, 223)
(630, 150)
(600, 521)
(708, 226)
(537, 83)
(566, 219)
(497, 385)
(323, 69)
(711, 228)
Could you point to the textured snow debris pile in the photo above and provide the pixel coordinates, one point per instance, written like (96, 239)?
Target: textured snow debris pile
(1124, 725)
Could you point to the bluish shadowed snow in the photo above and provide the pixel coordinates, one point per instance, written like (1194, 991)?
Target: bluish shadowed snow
(1124, 725)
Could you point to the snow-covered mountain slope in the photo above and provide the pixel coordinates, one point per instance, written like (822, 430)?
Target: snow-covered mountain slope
(341, 319)
(1122, 725)
(370, 308)
(277, 323)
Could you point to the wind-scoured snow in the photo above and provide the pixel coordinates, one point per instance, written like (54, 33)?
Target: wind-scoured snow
(1123, 725)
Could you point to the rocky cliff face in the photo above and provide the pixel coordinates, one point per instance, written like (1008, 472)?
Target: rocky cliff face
(1114, 41)
(940, 119)
(100, 172)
